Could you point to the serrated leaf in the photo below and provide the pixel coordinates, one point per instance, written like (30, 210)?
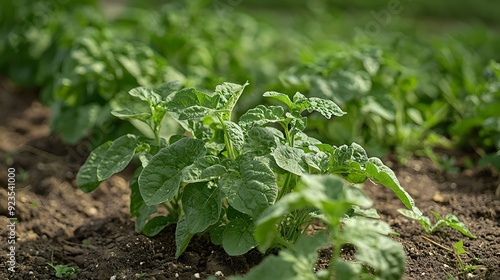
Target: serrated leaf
(237, 238)
(160, 180)
(251, 188)
(290, 159)
(203, 169)
(182, 237)
(118, 156)
(86, 178)
(261, 115)
(157, 224)
(201, 205)
(279, 96)
(376, 170)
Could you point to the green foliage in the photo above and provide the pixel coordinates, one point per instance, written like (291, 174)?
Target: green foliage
(64, 271)
(247, 183)
(449, 221)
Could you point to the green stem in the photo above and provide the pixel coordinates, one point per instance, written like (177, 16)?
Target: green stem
(287, 186)
(227, 142)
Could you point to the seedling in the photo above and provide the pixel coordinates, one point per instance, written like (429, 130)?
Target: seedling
(457, 250)
(63, 271)
(449, 221)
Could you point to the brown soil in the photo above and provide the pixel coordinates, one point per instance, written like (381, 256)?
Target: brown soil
(59, 224)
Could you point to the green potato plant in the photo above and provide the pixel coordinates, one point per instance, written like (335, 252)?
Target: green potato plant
(256, 182)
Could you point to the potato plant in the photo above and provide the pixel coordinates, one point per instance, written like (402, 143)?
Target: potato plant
(256, 182)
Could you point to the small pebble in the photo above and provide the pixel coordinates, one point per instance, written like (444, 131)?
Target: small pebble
(196, 275)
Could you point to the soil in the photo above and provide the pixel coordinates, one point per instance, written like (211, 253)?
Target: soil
(61, 225)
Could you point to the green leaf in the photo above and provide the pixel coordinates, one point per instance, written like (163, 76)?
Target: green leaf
(251, 188)
(216, 233)
(290, 159)
(203, 169)
(326, 191)
(157, 224)
(383, 254)
(138, 207)
(86, 178)
(279, 96)
(128, 114)
(267, 232)
(181, 100)
(201, 205)
(235, 135)
(325, 107)
(118, 156)
(229, 94)
(272, 267)
(194, 113)
(146, 95)
(182, 236)
(453, 222)
(238, 237)
(459, 247)
(75, 123)
(376, 170)
(262, 140)
(160, 180)
(261, 115)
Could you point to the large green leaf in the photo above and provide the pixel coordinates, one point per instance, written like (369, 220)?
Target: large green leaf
(378, 171)
(279, 96)
(261, 115)
(290, 159)
(229, 94)
(118, 156)
(86, 178)
(235, 135)
(146, 95)
(380, 252)
(180, 101)
(325, 107)
(201, 205)
(138, 207)
(237, 238)
(261, 140)
(160, 180)
(203, 169)
(251, 188)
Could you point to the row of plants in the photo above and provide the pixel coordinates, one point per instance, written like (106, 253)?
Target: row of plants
(258, 172)
(404, 94)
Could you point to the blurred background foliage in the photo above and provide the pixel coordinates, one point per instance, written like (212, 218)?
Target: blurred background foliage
(413, 76)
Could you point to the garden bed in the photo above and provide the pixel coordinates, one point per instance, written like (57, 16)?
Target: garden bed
(61, 225)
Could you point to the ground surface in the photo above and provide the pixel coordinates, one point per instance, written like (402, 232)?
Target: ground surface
(60, 224)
